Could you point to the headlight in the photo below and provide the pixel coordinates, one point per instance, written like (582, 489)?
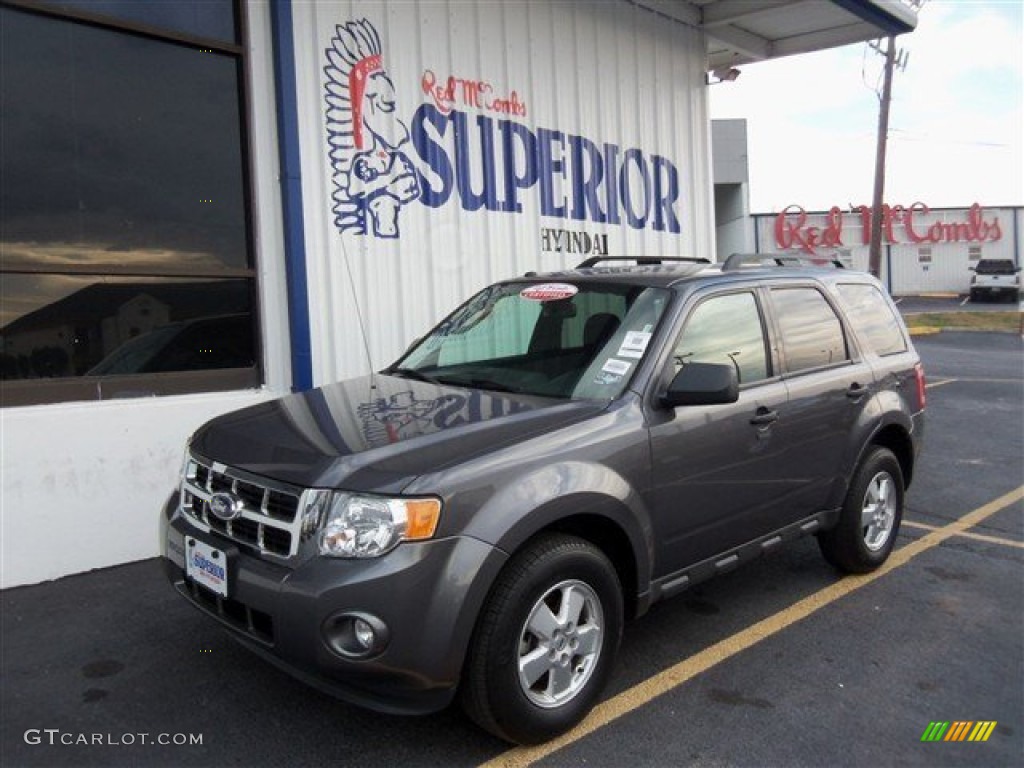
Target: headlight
(370, 526)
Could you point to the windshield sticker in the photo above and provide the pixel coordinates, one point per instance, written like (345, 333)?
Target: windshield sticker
(635, 344)
(549, 292)
(612, 372)
(616, 367)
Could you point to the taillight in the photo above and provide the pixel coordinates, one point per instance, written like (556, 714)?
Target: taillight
(922, 394)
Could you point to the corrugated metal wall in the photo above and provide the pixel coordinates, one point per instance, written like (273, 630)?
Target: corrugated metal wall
(622, 85)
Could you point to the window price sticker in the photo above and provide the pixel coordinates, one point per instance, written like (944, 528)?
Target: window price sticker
(634, 344)
(616, 367)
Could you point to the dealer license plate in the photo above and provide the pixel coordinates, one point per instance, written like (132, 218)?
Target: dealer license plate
(206, 566)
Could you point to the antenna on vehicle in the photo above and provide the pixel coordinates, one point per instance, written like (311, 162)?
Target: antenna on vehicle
(359, 313)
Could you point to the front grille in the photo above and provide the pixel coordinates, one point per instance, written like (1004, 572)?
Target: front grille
(269, 522)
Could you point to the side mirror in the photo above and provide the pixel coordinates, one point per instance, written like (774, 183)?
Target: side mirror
(703, 384)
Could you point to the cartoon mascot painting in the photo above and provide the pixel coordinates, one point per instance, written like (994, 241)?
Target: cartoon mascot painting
(372, 176)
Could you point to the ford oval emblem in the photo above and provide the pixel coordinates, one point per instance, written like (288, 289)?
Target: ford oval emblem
(225, 506)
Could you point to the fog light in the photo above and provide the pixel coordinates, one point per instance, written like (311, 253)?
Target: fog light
(355, 635)
(363, 633)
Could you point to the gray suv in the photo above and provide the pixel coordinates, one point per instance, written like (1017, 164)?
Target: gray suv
(561, 452)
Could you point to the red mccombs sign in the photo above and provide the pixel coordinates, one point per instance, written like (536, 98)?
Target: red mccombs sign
(899, 225)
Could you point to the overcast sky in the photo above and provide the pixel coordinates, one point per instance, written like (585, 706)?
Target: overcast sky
(956, 129)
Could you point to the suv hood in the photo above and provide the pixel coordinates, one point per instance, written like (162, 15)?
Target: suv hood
(377, 433)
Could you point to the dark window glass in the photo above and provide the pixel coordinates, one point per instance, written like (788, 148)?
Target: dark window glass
(997, 267)
(597, 315)
(873, 318)
(58, 326)
(125, 263)
(214, 19)
(118, 149)
(812, 335)
(726, 330)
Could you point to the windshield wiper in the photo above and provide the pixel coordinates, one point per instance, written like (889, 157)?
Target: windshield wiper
(494, 386)
(412, 373)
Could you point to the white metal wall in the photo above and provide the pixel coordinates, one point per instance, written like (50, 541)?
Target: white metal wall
(940, 262)
(610, 72)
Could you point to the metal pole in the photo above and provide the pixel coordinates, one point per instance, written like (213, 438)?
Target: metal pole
(875, 252)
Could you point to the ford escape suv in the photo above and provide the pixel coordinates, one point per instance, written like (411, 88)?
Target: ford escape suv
(558, 454)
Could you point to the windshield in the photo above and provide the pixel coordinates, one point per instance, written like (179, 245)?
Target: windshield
(554, 339)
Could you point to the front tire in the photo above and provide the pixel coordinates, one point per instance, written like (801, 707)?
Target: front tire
(545, 642)
(870, 517)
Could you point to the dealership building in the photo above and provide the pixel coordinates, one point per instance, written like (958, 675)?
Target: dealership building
(209, 204)
(924, 249)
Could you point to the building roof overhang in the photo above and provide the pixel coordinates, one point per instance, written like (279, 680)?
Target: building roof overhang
(744, 31)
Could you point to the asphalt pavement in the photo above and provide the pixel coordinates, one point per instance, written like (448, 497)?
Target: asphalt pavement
(797, 665)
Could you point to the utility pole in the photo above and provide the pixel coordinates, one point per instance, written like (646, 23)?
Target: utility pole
(893, 59)
(875, 251)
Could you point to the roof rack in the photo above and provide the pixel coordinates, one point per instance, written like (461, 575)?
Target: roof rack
(737, 260)
(641, 260)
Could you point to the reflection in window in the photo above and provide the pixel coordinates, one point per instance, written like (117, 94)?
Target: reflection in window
(873, 318)
(726, 330)
(214, 19)
(812, 335)
(125, 247)
(118, 149)
(498, 330)
(57, 326)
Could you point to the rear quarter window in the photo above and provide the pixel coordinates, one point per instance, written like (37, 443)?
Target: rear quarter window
(873, 318)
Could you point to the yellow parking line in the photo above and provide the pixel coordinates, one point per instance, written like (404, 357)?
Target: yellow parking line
(645, 692)
(934, 384)
(968, 535)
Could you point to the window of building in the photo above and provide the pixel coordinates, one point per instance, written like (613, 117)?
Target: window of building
(812, 335)
(974, 253)
(126, 263)
(924, 255)
(725, 330)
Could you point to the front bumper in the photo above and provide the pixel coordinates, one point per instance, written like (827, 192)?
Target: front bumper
(428, 594)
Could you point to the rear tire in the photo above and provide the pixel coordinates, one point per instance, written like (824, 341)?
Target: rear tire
(870, 517)
(545, 642)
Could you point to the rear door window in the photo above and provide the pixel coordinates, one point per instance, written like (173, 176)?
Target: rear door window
(812, 335)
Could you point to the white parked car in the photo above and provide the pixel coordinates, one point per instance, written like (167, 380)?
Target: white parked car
(995, 278)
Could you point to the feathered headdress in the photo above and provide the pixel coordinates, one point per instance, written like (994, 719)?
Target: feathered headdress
(353, 56)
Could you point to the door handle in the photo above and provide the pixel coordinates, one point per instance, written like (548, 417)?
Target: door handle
(764, 417)
(856, 391)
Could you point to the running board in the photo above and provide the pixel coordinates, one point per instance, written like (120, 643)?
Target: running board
(727, 561)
